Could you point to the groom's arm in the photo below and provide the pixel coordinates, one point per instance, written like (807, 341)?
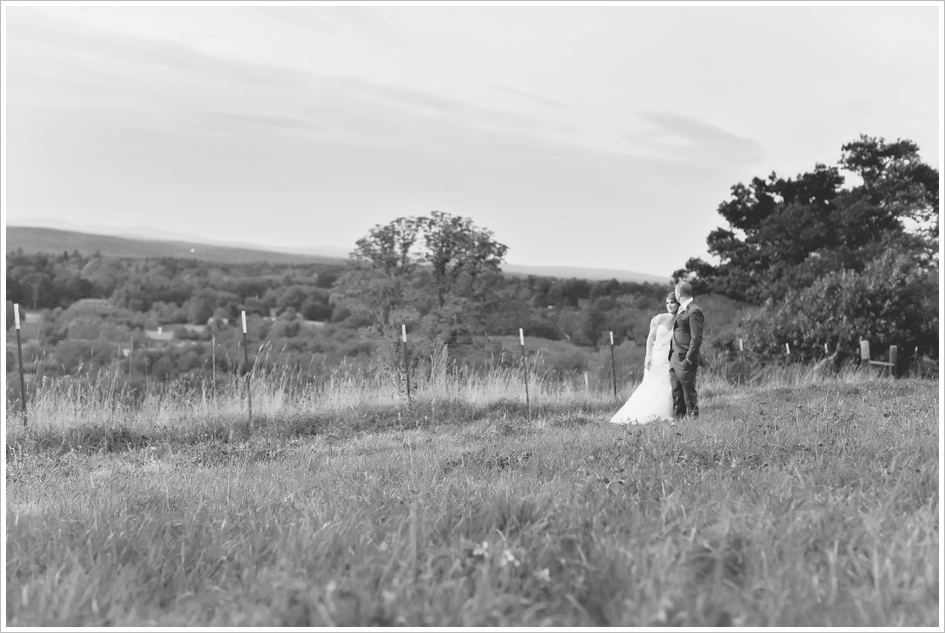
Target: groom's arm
(696, 326)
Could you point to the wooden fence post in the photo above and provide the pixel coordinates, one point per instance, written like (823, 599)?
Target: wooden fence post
(890, 367)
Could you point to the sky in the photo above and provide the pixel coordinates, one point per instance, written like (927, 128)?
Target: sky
(590, 136)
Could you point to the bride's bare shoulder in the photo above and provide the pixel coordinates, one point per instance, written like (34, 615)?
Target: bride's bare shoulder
(663, 319)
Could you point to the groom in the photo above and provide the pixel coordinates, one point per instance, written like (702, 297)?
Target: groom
(684, 353)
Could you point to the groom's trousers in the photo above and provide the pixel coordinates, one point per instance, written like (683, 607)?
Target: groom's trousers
(683, 379)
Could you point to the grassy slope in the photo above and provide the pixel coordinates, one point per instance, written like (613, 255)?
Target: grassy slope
(807, 506)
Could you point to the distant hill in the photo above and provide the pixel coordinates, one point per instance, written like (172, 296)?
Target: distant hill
(34, 239)
(592, 274)
(54, 241)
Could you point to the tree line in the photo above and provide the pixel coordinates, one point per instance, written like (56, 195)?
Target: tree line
(174, 291)
(316, 323)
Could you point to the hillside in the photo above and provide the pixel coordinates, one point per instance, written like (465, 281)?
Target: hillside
(591, 274)
(33, 239)
(55, 241)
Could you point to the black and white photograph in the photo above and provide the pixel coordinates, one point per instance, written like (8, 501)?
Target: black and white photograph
(489, 315)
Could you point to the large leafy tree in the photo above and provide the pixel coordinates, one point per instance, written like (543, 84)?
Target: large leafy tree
(436, 272)
(896, 181)
(784, 233)
(830, 264)
(378, 281)
(463, 258)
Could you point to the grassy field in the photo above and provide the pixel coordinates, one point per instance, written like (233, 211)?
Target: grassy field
(792, 502)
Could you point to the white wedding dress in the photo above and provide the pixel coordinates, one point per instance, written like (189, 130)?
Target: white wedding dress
(653, 398)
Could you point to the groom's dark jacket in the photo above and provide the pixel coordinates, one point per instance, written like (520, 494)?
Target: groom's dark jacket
(687, 335)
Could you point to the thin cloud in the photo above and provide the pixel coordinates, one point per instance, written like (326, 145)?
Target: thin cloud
(262, 119)
(147, 55)
(428, 103)
(307, 92)
(535, 98)
(333, 19)
(302, 17)
(688, 138)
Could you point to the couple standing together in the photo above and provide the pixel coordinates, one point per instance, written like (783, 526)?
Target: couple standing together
(668, 390)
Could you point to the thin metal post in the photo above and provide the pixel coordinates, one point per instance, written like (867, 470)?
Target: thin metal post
(19, 357)
(249, 399)
(403, 331)
(613, 363)
(213, 365)
(521, 338)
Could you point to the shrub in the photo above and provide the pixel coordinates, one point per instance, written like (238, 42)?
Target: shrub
(894, 301)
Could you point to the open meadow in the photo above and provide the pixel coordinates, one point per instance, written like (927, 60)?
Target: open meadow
(793, 501)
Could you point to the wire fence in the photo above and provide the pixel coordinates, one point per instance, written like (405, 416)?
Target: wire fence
(116, 377)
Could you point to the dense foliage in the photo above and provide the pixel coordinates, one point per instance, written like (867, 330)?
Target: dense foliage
(170, 290)
(893, 299)
(831, 264)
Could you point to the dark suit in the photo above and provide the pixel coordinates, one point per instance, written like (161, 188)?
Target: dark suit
(685, 359)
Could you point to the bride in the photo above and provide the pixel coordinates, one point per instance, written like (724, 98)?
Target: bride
(653, 399)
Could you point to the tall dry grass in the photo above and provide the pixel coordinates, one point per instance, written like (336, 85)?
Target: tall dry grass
(108, 400)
